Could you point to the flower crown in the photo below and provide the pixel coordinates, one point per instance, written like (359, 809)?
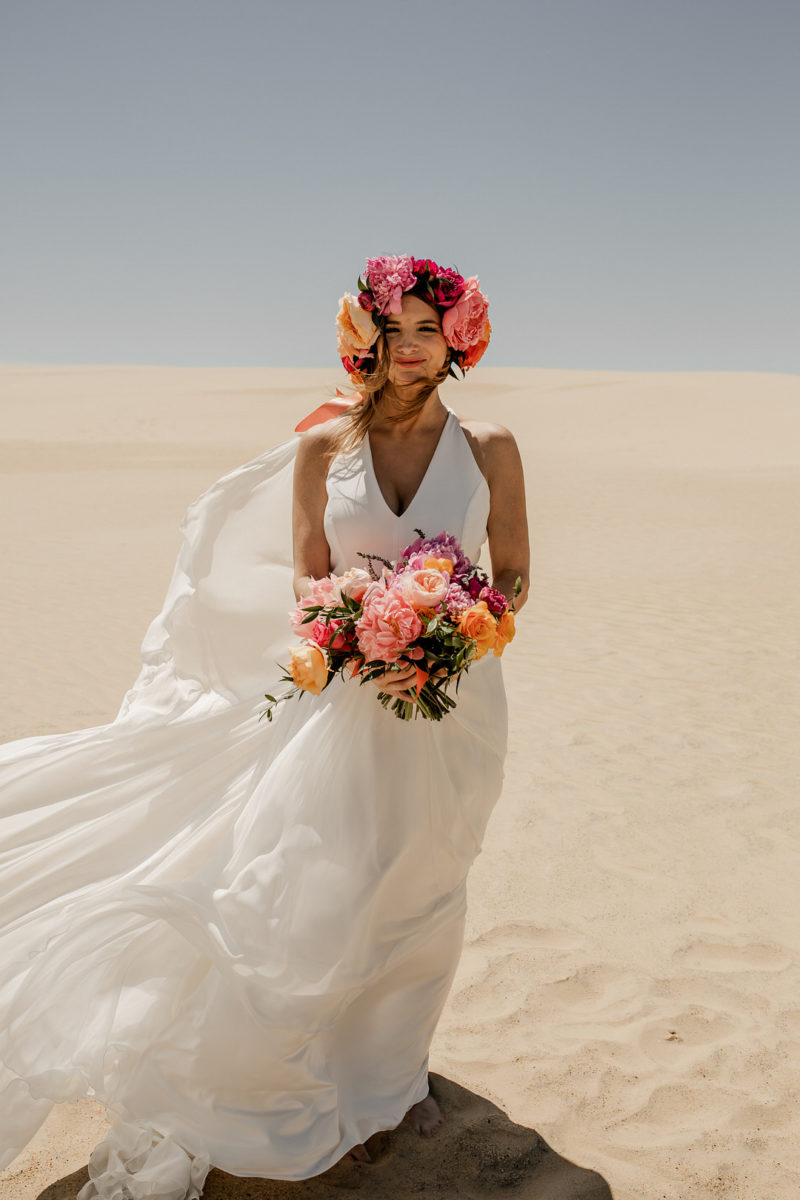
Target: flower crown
(464, 308)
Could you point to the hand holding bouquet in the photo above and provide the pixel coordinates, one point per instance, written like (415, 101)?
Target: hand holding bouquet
(432, 610)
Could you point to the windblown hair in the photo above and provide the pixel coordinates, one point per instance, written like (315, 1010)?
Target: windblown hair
(371, 386)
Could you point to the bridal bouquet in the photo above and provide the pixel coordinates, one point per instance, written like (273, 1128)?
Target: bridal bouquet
(432, 610)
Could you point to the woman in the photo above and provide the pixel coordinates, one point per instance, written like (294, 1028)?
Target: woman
(240, 937)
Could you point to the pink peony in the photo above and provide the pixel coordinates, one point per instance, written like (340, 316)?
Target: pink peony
(321, 591)
(424, 589)
(387, 278)
(387, 625)
(457, 601)
(465, 323)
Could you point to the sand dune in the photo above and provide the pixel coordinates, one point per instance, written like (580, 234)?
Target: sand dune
(628, 994)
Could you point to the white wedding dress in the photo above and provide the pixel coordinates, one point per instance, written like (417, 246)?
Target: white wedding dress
(239, 936)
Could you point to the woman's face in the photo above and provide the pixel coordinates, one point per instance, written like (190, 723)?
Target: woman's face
(415, 342)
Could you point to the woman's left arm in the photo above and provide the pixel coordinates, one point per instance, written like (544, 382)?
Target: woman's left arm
(507, 526)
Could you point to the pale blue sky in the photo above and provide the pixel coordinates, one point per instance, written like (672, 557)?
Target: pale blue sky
(196, 182)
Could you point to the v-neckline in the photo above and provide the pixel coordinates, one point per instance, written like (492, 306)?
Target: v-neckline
(422, 482)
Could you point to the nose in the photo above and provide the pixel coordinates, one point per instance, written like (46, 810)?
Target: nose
(406, 341)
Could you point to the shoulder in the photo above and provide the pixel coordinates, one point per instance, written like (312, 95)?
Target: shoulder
(494, 447)
(318, 445)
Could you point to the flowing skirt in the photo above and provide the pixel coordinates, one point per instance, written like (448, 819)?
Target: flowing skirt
(239, 936)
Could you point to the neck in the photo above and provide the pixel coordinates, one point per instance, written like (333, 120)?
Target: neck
(397, 400)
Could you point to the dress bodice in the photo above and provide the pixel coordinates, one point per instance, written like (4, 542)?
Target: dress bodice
(453, 496)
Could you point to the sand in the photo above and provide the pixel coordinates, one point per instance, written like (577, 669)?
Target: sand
(626, 1017)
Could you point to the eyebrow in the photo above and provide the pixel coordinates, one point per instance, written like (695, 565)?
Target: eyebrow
(424, 321)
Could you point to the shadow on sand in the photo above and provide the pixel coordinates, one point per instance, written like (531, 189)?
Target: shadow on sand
(478, 1154)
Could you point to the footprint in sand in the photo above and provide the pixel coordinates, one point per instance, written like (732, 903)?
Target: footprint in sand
(598, 989)
(718, 956)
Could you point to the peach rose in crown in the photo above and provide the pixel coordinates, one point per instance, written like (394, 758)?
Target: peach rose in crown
(479, 624)
(355, 328)
(424, 589)
(308, 668)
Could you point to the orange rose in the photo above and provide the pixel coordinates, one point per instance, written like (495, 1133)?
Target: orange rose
(479, 624)
(505, 632)
(439, 564)
(308, 668)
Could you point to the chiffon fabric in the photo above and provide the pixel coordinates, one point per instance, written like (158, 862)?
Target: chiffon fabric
(239, 936)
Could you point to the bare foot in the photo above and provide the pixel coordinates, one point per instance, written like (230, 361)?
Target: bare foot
(359, 1153)
(425, 1116)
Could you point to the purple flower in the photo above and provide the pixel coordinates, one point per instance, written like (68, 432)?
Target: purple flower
(444, 545)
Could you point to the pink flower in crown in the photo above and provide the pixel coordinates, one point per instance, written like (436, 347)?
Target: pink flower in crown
(387, 278)
(387, 625)
(425, 265)
(465, 323)
(448, 287)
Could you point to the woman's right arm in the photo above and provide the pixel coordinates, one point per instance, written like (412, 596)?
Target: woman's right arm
(312, 554)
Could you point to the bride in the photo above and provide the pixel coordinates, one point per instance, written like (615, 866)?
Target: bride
(238, 936)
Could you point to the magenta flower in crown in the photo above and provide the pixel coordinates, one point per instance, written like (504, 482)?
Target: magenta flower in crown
(448, 286)
(388, 277)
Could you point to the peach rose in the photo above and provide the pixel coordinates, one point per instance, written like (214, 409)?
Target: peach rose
(424, 589)
(505, 632)
(308, 668)
(355, 328)
(479, 624)
(353, 583)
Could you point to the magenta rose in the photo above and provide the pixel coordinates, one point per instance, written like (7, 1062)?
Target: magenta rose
(448, 286)
(387, 625)
(465, 322)
(366, 301)
(495, 601)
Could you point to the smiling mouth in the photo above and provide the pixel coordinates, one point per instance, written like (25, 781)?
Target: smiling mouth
(408, 362)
